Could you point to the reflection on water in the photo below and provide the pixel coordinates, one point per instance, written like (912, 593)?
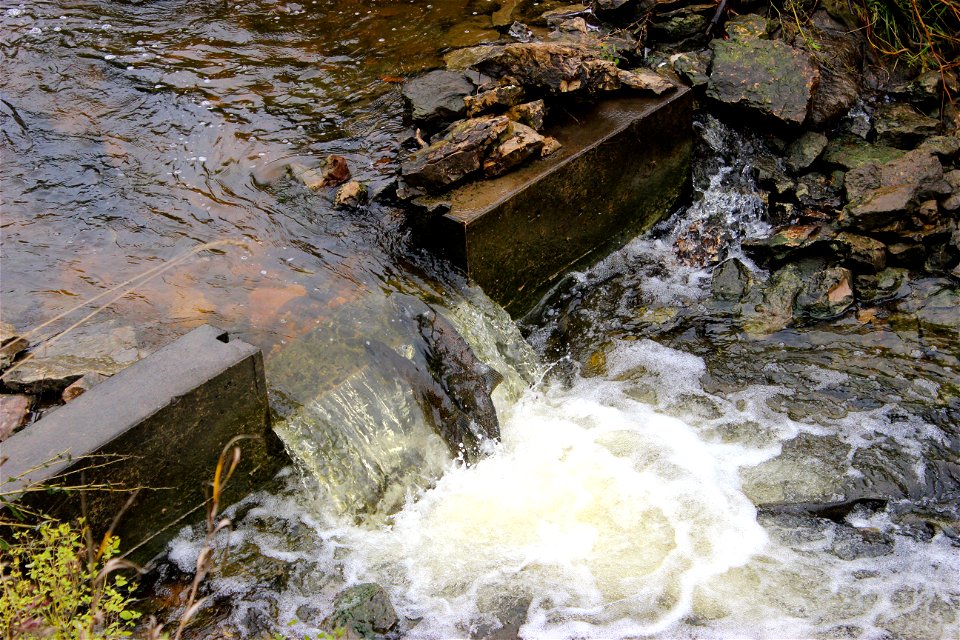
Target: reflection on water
(134, 131)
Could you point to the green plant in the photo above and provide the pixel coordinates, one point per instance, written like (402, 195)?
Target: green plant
(54, 584)
(609, 53)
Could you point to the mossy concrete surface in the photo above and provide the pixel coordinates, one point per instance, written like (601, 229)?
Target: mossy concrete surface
(622, 168)
(158, 426)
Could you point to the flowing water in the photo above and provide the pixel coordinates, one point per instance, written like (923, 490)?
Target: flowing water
(657, 449)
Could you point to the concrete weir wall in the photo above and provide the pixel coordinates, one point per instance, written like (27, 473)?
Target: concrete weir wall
(159, 425)
(621, 169)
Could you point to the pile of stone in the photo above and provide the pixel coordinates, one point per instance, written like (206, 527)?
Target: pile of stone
(38, 379)
(485, 114)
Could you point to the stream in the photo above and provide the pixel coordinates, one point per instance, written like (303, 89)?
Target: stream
(665, 458)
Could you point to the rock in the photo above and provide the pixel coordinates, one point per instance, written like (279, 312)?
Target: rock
(644, 80)
(494, 100)
(105, 349)
(613, 10)
(679, 27)
(889, 283)
(333, 172)
(952, 202)
(455, 156)
(748, 26)
(785, 243)
(554, 17)
(817, 191)
(521, 143)
(558, 68)
(900, 125)
(82, 385)
(828, 294)
(927, 88)
(805, 150)
(885, 194)
(350, 195)
(776, 309)
(529, 113)
(11, 345)
(763, 77)
(550, 145)
(14, 410)
(362, 611)
(693, 67)
(437, 97)
(839, 63)
(850, 152)
(731, 280)
(864, 254)
(945, 147)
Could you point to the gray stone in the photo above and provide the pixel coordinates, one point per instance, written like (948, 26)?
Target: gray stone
(946, 147)
(14, 409)
(731, 280)
(866, 255)
(437, 96)
(362, 611)
(805, 150)
(693, 67)
(104, 349)
(763, 78)
(827, 294)
(952, 201)
(775, 311)
(159, 425)
(900, 125)
(679, 27)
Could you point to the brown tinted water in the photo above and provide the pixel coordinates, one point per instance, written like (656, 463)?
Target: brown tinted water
(133, 131)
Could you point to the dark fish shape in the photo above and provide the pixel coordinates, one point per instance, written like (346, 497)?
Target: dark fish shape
(458, 430)
(467, 380)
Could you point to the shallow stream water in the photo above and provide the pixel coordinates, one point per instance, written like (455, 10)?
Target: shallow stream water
(646, 433)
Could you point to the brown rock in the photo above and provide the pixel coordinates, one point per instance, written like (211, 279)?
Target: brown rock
(494, 100)
(11, 345)
(350, 195)
(333, 172)
(550, 145)
(529, 113)
(457, 155)
(82, 385)
(522, 143)
(839, 85)
(827, 294)
(645, 80)
(14, 410)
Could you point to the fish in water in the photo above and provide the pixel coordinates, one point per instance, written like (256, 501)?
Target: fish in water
(468, 381)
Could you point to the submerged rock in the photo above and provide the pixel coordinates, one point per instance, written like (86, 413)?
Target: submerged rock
(332, 172)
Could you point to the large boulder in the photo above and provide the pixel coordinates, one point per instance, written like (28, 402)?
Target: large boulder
(766, 78)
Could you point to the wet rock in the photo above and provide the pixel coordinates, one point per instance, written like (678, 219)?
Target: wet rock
(521, 143)
(362, 611)
(817, 191)
(748, 26)
(679, 27)
(494, 100)
(900, 125)
(764, 78)
(805, 150)
(437, 96)
(851, 152)
(82, 385)
(554, 17)
(612, 10)
(11, 345)
(828, 294)
(926, 88)
(550, 145)
(332, 172)
(529, 113)
(865, 255)
(776, 309)
(644, 80)
(933, 302)
(784, 244)
(350, 195)
(731, 280)
(952, 201)
(884, 195)
(851, 543)
(14, 410)
(839, 63)
(105, 349)
(455, 156)
(888, 284)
